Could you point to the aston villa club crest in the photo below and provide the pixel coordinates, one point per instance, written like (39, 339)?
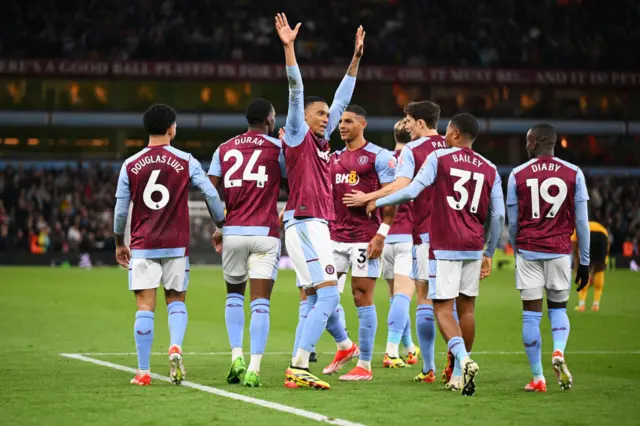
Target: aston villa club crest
(363, 160)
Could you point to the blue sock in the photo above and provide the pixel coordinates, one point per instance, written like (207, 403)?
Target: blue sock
(457, 348)
(259, 326)
(234, 318)
(455, 312)
(336, 325)
(407, 340)
(426, 330)
(178, 319)
(398, 317)
(143, 335)
(303, 310)
(457, 369)
(367, 331)
(560, 328)
(532, 340)
(327, 300)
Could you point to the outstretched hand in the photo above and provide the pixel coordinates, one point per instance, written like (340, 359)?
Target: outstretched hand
(286, 34)
(359, 48)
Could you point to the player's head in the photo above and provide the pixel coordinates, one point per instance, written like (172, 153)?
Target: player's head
(352, 123)
(462, 130)
(541, 140)
(160, 120)
(261, 115)
(316, 114)
(421, 117)
(401, 134)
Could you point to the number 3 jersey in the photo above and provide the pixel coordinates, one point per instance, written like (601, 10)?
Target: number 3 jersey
(251, 165)
(545, 191)
(157, 180)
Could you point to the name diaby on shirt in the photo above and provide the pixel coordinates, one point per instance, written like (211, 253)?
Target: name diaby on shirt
(550, 167)
(162, 159)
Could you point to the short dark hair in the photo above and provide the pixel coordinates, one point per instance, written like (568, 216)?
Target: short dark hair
(424, 110)
(158, 118)
(545, 133)
(357, 110)
(400, 132)
(258, 111)
(467, 124)
(312, 100)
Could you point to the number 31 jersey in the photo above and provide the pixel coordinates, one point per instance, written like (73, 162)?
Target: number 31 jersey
(545, 190)
(157, 181)
(251, 166)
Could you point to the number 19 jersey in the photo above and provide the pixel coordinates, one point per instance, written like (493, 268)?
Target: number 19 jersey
(546, 189)
(251, 165)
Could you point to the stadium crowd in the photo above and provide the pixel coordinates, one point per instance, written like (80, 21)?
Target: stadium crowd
(71, 210)
(505, 33)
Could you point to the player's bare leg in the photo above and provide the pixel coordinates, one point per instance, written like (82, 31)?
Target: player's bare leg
(402, 288)
(177, 315)
(298, 374)
(560, 328)
(143, 334)
(426, 331)
(363, 291)
(346, 350)
(260, 294)
(234, 319)
(453, 335)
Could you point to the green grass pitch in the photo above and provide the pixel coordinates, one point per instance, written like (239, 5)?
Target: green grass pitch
(45, 312)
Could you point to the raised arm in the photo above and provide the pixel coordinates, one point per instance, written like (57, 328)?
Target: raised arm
(295, 127)
(199, 180)
(343, 95)
(497, 216)
(512, 211)
(403, 175)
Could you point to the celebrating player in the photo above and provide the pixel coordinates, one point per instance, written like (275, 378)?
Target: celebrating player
(397, 267)
(309, 122)
(465, 187)
(422, 121)
(547, 198)
(358, 239)
(598, 252)
(251, 165)
(157, 179)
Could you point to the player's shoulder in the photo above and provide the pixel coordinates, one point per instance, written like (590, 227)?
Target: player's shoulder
(137, 155)
(523, 166)
(487, 162)
(377, 150)
(272, 140)
(183, 155)
(444, 152)
(567, 164)
(416, 143)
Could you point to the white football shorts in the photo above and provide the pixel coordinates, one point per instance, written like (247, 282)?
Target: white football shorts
(173, 272)
(354, 256)
(250, 257)
(420, 262)
(450, 278)
(397, 259)
(309, 246)
(533, 277)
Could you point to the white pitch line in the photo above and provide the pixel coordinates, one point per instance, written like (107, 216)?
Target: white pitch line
(376, 353)
(255, 401)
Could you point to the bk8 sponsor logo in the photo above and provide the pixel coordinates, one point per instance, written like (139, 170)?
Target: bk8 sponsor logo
(350, 178)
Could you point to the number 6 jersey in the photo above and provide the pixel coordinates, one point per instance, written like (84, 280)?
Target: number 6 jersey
(157, 180)
(545, 191)
(251, 166)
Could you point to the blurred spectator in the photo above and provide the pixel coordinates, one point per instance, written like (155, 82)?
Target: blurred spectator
(507, 33)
